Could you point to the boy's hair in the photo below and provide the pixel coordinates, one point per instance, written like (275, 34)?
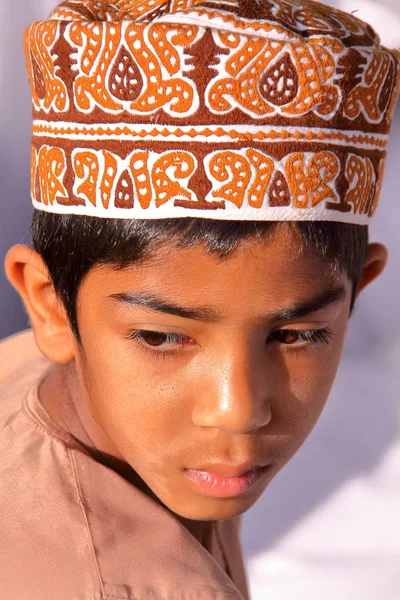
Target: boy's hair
(71, 245)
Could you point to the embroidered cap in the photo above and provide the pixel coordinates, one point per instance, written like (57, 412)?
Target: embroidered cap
(264, 110)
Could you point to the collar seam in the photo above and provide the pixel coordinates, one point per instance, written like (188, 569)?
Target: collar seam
(80, 499)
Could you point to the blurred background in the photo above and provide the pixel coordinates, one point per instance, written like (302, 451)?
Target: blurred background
(328, 526)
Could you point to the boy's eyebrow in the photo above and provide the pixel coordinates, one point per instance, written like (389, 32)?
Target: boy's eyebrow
(209, 314)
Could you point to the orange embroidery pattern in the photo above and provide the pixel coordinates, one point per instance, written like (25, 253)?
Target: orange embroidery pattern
(248, 177)
(48, 168)
(266, 76)
(365, 98)
(356, 139)
(183, 165)
(48, 90)
(310, 177)
(87, 170)
(360, 173)
(97, 45)
(143, 174)
(122, 68)
(246, 174)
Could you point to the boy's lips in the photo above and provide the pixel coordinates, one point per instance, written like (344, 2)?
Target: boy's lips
(229, 470)
(230, 481)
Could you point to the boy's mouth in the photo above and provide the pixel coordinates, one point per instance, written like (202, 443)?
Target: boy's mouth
(226, 486)
(227, 470)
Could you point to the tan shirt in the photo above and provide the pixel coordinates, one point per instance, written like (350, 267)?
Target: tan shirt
(72, 528)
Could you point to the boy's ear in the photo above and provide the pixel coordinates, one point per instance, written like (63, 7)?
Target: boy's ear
(27, 272)
(375, 263)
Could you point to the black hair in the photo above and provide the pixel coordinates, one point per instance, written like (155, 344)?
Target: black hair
(71, 245)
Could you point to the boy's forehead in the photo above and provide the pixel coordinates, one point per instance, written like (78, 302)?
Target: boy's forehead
(274, 266)
(281, 245)
(262, 111)
(200, 290)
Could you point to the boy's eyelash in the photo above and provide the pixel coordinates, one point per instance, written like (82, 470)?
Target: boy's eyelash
(308, 335)
(134, 336)
(315, 337)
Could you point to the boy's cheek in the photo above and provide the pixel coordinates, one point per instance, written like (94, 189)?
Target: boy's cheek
(309, 383)
(132, 413)
(295, 416)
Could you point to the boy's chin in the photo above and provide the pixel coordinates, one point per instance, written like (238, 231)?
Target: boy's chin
(211, 510)
(200, 506)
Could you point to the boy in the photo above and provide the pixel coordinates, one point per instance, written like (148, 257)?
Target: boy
(203, 177)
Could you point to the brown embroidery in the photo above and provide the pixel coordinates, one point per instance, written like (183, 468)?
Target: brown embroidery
(125, 82)
(387, 88)
(124, 191)
(279, 193)
(280, 84)
(39, 79)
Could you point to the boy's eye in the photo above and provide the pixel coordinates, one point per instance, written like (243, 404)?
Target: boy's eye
(297, 337)
(153, 341)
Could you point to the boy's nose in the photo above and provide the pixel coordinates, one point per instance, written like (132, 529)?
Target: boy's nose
(236, 397)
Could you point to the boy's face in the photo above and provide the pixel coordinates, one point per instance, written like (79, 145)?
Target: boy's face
(247, 388)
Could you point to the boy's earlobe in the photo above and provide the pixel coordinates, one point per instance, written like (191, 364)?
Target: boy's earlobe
(375, 263)
(27, 272)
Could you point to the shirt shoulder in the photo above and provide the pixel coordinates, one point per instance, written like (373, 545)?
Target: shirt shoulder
(44, 539)
(17, 350)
